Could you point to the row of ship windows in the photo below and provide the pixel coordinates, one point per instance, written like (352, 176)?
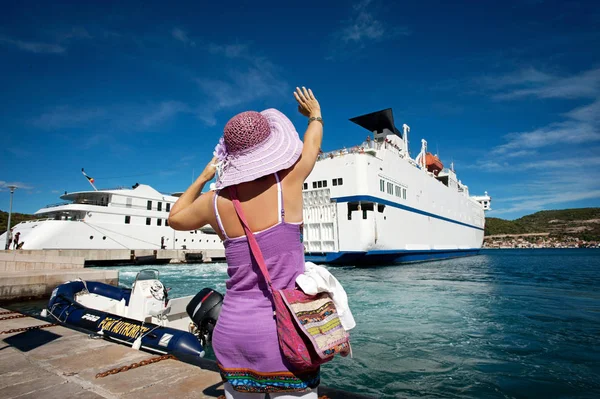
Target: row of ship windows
(364, 207)
(184, 240)
(392, 189)
(323, 183)
(159, 222)
(177, 239)
(159, 206)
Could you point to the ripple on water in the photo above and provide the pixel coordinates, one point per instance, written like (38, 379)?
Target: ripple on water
(516, 323)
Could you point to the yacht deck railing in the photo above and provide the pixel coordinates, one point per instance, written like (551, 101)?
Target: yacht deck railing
(57, 204)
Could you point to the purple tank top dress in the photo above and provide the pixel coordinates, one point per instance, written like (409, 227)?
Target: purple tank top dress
(245, 337)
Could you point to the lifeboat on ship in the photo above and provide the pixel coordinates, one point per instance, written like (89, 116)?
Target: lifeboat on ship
(434, 165)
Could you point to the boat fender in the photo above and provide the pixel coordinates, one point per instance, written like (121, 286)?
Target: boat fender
(137, 343)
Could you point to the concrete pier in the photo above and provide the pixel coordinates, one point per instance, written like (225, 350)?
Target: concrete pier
(58, 362)
(27, 276)
(97, 257)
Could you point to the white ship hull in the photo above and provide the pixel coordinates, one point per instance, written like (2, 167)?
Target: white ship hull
(387, 208)
(58, 234)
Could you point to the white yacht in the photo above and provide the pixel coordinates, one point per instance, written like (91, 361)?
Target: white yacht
(374, 204)
(121, 218)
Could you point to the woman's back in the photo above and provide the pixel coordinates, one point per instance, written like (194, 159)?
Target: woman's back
(259, 200)
(278, 238)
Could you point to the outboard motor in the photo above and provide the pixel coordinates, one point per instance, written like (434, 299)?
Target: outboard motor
(204, 311)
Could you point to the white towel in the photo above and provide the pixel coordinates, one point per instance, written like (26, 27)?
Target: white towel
(318, 279)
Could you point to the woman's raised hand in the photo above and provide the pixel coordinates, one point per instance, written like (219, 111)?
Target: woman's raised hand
(209, 171)
(307, 103)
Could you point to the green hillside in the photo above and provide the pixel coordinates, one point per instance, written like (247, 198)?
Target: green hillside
(15, 218)
(583, 223)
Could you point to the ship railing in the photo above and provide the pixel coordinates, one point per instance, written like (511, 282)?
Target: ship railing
(50, 219)
(115, 188)
(79, 202)
(86, 201)
(129, 188)
(37, 220)
(126, 188)
(366, 148)
(57, 204)
(106, 189)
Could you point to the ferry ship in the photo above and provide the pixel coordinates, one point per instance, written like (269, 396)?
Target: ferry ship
(369, 204)
(121, 218)
(374, 204)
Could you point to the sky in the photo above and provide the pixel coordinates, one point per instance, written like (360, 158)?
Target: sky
(139, 92)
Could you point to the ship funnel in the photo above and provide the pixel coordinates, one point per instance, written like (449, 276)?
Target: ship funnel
(381, 123)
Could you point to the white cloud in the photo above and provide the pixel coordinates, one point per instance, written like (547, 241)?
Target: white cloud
(59, 45)
(559, 133)
(19, 152)
(583, 163)
(259, 80)
(89, 141)
(521, 153)
(523, 77)
(487, 166)
(165, 111)
(588, 113)
(125, 117)
(553, 164)
(34, 47)
(540, 202)
(229, 50)
(68, 117)
(549, 188)
(533, 83)
(362, 25)
(365, 26)
(180, 35)
(582, 124)
(75, 33)
(23, 186)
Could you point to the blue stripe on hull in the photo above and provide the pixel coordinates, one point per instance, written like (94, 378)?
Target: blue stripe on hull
(378, 200)
(361, 258)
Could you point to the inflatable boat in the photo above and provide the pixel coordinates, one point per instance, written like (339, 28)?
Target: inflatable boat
(142, 317)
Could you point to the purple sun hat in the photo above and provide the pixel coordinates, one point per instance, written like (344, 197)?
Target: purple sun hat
(255, 145)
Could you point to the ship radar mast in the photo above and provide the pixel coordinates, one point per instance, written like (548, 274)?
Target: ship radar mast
(406, 129)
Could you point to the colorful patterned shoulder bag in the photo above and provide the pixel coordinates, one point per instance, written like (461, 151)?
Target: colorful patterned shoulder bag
(308, 326)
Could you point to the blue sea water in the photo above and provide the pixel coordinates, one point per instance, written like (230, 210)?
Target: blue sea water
(504, 324)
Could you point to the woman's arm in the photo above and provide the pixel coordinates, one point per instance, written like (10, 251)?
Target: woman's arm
(308, 106)
(192, 210)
